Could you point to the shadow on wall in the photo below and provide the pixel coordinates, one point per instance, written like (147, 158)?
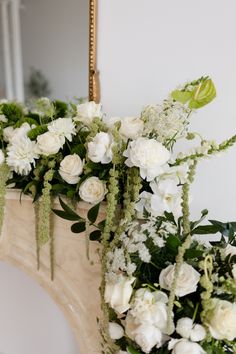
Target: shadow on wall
(30, 322)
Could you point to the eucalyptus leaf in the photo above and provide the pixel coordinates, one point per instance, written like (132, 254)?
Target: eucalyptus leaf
(78, 227)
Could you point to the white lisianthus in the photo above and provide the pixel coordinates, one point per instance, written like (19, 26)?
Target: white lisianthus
(21, 156)
(221, 320)
(187, 281)
(188, 330)
(100, 148)
(148, 155)
(167, 197)
(92, 190)
(118, 293)
(71, 168)
(64, 128)
(131, 128)
(115, 330)
(87, 111)
(48, 143)
(2, 157)
(184, 346)
(230, 250)
(8, 134)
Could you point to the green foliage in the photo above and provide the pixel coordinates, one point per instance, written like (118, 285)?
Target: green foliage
(131, 350)
(93, 213)
(12, 111)
(33, 133)
(67, 213)
(60, 109)
(78, 227)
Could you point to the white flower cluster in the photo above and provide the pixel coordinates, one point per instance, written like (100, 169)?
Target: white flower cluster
(167, 121)
(166, 194)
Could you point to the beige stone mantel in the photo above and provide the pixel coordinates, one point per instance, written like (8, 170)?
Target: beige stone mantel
(76, 284)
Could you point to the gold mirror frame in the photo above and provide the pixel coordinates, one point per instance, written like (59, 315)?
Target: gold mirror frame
(94, 91)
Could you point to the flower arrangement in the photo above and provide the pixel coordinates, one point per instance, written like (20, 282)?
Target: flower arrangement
(163, 288)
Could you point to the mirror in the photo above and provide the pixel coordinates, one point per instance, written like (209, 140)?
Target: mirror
(30, 321)
(44, 49)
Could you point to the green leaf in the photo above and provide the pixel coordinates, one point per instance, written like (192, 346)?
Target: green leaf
(95, 235)
(193, 253)
(78, 227)
(93, 213)
(203, 215)
(101, 225)
(131, 350)
(68, 210)
(62, 214)
(173, 242)
(205, 229)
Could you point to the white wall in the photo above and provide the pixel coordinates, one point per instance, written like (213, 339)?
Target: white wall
(30, 322)
(147, 47)
(55, 40)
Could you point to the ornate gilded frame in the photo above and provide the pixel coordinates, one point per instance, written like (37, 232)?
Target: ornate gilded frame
(94, 92)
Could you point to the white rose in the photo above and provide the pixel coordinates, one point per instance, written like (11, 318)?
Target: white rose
(48, 143)
(115, 330)
(131, 127)
(222, 320)
(184, 346)
(86, 112)
(147, 154)
(2, 157)
(187, 281)
(100, 148)
(230, 250)
(71, 168)
(92, 190)
(64, 127)
(188, 330)
(118, 294)
(147, 336)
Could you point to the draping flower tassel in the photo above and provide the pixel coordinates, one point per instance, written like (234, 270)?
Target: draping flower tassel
(4, 175)
(44, 230)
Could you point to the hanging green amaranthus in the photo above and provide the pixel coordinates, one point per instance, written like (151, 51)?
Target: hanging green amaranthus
(4, 175)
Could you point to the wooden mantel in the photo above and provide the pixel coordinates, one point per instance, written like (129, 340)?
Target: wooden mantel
(76, 284)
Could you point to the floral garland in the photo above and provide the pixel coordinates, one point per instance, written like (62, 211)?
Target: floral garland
(163, 290)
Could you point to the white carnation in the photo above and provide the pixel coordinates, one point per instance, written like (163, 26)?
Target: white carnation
(148, 155)
(71, 168)
(92, 190)
(187, 281)
(64, 128)
(8, 134)
(86, 112)
(48, 143)
(21, 155)
(100, 148)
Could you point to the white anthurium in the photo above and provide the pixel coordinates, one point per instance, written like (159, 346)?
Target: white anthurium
(188, 330)
(147, 154)
(87, 111)
(166, 197)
